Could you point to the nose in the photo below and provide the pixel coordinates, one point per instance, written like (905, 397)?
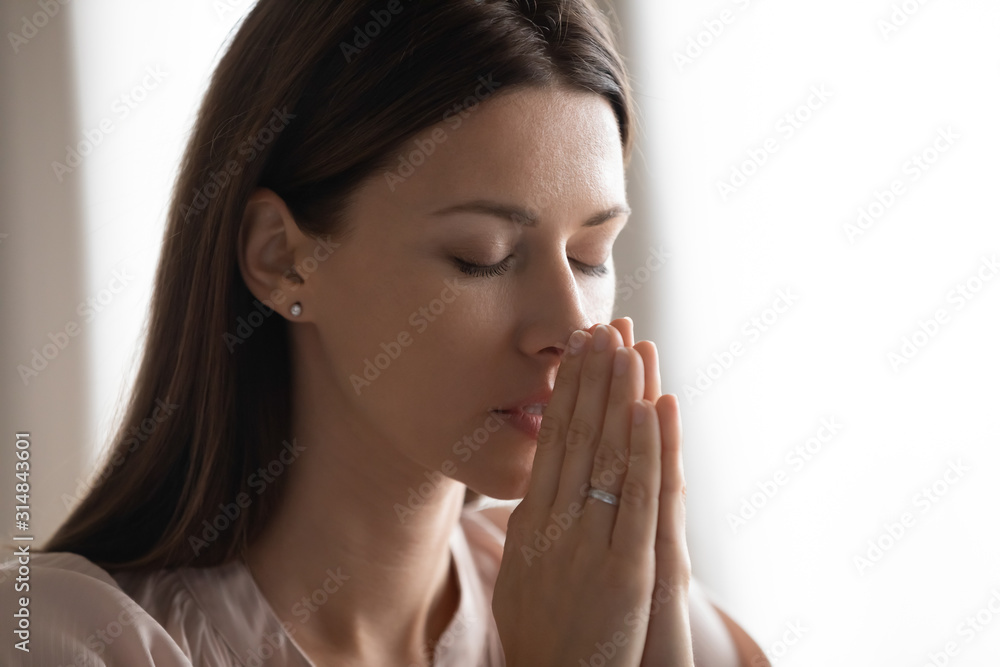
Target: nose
(554, 306)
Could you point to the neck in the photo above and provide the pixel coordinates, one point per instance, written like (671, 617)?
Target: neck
(352, 575)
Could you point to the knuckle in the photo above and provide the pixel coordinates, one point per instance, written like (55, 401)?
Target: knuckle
(675, 485)
(579, 435)
(620, 394)
(548, 432)
(671, 537)
(635, 493)
(593, 370)
(679, 581)
(603, 457)
(564, 378)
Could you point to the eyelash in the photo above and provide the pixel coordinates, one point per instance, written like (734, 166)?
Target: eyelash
(493, 270)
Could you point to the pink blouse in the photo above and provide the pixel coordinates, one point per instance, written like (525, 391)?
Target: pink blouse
(216, 616)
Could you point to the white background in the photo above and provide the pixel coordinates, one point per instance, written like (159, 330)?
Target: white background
(827, 356)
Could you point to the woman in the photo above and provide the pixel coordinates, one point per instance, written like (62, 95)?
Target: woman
(390, 220)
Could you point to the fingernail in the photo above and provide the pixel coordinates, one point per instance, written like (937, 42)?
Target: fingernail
(621, 361)
(638, 412)
(576, 342)
(601, 338)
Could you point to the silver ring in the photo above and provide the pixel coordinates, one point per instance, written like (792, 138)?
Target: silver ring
(603, 496)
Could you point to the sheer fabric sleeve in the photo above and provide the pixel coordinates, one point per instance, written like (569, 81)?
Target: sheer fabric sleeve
(77, 616)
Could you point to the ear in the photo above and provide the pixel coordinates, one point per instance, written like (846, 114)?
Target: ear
(269, 244)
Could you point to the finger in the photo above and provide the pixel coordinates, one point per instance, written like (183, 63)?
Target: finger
(671, 542)
(673, 563)
(625, 328)
(651, 364)
(611, 456)
(588, 416)
(622, 324)
(550, 448)
(635, 523)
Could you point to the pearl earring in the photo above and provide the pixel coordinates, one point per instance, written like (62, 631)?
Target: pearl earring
(296, 309)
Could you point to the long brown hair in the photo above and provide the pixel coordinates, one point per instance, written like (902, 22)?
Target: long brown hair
(310, 98)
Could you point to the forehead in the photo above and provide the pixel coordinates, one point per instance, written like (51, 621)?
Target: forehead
(534, 145)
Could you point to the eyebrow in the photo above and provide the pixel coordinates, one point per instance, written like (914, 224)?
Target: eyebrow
(521, 216)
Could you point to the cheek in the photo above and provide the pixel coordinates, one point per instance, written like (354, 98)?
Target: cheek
(417, 347)
(436, 393)
(443, 382)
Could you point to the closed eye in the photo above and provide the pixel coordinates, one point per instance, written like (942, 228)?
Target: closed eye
(501, 267)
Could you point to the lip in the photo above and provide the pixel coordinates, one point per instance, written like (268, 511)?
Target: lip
(542, 396)
(528, 424)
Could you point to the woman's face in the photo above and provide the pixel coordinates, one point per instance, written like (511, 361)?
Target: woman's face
(420, 352)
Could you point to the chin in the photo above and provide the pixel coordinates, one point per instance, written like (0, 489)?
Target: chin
(509, 480)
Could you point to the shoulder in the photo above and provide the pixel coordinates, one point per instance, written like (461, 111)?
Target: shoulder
(73, 612)
(717, 639)
(215, 613)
